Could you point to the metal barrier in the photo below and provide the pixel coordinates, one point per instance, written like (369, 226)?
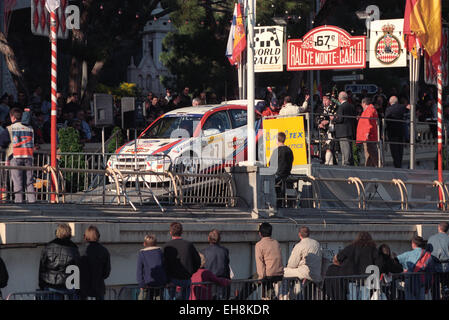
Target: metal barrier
(403, 286)
(204, 181)
(425, 141)
(111, 185)
(362, 200)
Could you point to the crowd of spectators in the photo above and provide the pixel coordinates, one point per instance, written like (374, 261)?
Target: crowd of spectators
(178, 271)
(69, 114)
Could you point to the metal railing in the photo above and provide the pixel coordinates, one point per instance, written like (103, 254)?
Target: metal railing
(110, 294)
(83, 179)
(425, 140)
(402, 286)
(292, 197)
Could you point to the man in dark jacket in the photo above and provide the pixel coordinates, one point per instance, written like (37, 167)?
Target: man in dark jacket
(217, 260)
(181, 260)
(57, 255)
(281, 159)
(396, 130)
(95, 266)
(217, 257)
(345, 128)
(3, 276)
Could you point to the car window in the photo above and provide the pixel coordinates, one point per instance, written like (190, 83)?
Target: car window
(238, 117)
(218, 121)
(171, 126)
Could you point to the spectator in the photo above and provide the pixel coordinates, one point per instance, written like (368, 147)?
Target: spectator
(175, 103)
(268, 257)
(19, 139)
(72, 105)
(22, 101)
(56, 256)
(4, 277)
(95, 266)
(272, 109)
(305, 259)
(335, 288)
(46, 107)
(327, 130)
(438, 245)
(289, 109)
(168, 95)
(36, 99)
(367, 133)
(87, 132)
(388, 265)
(281, 159)
(4, 108)
(396, 130)
(196, 102)
(416, 260)
(203, 98)
(151, 275)
(186, 101)
(217, 256)
(76, 124)
(355, 258)
(204, 291)
(345, 128)
(181, 261)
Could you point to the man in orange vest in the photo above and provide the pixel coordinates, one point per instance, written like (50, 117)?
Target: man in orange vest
(367, 133)
(19, 141)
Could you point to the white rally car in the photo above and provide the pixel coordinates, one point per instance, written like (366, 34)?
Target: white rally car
(189, 140)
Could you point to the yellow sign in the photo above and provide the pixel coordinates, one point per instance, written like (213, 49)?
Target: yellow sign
(293, 127)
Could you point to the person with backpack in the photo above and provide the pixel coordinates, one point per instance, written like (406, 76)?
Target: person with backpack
(4, 277)
(419, 259)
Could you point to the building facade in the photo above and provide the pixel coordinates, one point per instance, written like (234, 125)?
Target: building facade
(147, 72)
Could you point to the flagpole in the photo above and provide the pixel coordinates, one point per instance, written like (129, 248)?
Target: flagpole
(54, 62)
(440, 127)
(414, 70)
(251, 86)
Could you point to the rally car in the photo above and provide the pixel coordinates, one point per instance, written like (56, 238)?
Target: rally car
(190, 140)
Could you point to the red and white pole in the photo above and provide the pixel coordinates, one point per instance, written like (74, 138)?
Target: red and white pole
(440, 129)
(54, 72)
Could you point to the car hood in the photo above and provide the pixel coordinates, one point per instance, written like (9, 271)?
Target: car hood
(149, 146)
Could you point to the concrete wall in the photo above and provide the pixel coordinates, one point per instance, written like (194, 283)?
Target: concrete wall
(21, 244)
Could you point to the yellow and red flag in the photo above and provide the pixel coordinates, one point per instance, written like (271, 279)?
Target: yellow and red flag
(422, 25)
(239, 36)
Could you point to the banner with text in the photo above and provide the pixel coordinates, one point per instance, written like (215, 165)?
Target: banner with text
(326, 48)
(293, 127)
(268, 49)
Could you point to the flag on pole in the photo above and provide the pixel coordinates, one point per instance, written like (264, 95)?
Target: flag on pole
(422, 22)
(237, 38)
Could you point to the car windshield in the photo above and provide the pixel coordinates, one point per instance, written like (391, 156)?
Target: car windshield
(173, 127)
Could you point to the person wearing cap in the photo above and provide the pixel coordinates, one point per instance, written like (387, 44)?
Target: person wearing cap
(272, 109)
(327, 130)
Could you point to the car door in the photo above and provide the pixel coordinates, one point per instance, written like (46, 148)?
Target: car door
(237, 137)
(214, 133)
